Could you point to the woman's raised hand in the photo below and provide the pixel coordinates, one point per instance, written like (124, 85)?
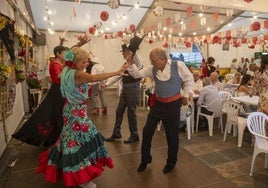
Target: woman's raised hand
(123, 68)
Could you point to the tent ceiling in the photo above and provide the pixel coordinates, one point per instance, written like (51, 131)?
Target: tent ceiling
(88, 13)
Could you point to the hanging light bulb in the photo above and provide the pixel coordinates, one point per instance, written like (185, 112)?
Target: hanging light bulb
(113, 4)
(158, 11)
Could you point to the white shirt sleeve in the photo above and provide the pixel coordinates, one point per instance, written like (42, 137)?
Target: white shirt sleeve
(113, 80)
(97, 69)
(136, 73)
(138, 61)
(187, 78)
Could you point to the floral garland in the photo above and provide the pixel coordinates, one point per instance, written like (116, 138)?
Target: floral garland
(3, 22)
(4, 72)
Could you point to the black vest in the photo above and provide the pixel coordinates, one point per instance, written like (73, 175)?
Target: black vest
(129, 79)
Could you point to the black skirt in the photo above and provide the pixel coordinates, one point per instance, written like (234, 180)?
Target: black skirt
(44, 126)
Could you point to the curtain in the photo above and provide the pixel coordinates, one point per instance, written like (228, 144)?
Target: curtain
(7, 34)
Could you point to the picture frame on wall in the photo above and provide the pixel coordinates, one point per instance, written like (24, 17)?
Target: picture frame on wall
(225, 47)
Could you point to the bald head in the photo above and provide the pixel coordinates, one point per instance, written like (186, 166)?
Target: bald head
(214, 77)
(158, 58)
(206, 81)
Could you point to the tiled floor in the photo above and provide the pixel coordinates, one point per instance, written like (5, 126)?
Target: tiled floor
(204, 162)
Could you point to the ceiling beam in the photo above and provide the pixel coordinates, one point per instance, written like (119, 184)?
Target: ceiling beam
(253, 6)
(101, 3)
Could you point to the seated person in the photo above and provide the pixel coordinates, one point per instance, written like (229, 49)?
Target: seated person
(214, 77)
(207, 94)
(244, 87)
(237, 78)
(198, 84)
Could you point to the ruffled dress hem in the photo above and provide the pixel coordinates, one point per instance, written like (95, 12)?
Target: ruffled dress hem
(85, 174)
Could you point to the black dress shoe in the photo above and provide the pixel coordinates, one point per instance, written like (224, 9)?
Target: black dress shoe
(143, 165)
(168, 168)
(132, 139)
(113, 138)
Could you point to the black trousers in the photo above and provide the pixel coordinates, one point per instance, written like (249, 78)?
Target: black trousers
(129, 99)
(169, 114)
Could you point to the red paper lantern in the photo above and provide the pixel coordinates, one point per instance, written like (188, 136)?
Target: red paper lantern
(165, 45)
(151, 41)
(120, 34)
(92, 30)
(256, 26)
(132, 27)
(104, 15)
(236, 44)
(215, 39)
(188, 44)
(244, 40)
(252, 46)
(228, 38)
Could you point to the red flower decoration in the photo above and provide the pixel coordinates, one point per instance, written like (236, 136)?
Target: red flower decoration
(120, 34)
(92, 30)
(22, 53)
(69, 63)
(151, 41)
(256, 26)
(165, 45)
(228, 38)
(85, 128)
(132, 27)
(252, 46)
(104, 16)
(72, 144)
(215, 39)
(236, 44)
(188, 44)
(76, 127)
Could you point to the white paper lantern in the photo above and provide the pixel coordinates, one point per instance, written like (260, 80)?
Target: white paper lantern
(97, 24)
(113, 4)
(158, 11)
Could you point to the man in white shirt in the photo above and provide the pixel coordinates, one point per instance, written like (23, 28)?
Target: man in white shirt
(214, 77)
(168, 76)
(198, 85)
(207, 94)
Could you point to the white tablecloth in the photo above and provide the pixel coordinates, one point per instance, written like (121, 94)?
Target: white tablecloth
(247, 100)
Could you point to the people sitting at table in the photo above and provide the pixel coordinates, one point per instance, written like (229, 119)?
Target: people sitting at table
(234, 80)
(244, 87)
(214, 77)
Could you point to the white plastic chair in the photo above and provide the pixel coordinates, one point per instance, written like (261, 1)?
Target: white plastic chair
(225, 95)
(233, 110)
(216, 106)
(256, 123)
(185, 116)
